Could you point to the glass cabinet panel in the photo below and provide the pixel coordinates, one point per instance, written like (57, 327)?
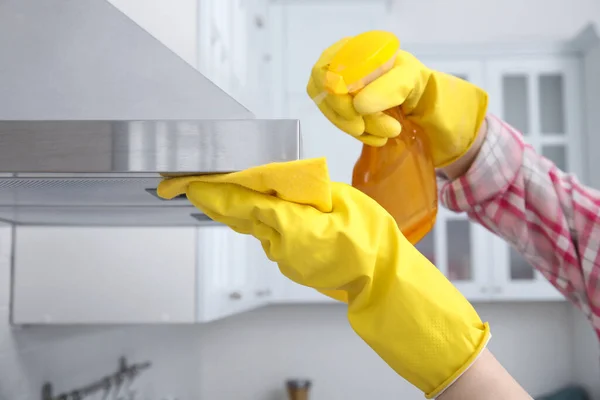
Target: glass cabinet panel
(516, 102)
(519, 267)
(458, 234)
(427, 246)
(557, 154)
(551, 97)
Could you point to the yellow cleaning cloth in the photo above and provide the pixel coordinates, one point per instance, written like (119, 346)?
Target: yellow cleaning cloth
(303, 182)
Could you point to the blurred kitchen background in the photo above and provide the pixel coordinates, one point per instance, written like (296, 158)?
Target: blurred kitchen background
(205, 307)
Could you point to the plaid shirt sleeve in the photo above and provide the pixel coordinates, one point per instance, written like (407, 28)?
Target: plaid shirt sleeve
(545, 214)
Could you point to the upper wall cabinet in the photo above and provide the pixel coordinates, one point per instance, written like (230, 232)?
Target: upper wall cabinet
(103, 275)
(136, 275)
(233, 273)
(541, 97)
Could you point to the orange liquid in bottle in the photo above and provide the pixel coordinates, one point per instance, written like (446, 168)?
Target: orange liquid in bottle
(400, 176)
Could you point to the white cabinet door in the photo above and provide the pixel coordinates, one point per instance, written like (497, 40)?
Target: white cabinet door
(460, 249)
(541, 98)
(264, 274)
(299, 33)
(68, 275)
(225, 283)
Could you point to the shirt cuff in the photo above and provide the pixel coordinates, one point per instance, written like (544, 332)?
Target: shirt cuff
(494, 169)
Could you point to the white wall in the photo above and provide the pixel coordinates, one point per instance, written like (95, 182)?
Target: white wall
(250, 356)
(476, 21)
(173, 22)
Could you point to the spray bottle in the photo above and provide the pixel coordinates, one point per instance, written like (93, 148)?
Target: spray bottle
(400, 175)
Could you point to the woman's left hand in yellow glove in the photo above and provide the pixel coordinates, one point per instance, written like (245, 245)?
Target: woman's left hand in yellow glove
(450, 110)
(332, 237)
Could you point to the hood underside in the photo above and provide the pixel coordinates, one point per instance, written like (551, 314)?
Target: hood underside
(93, 109)
(94, 173)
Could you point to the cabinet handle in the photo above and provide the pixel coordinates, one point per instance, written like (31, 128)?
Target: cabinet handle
(497, 289)
(263, 293)
(235, 296)
(483, 289)
(259, 22)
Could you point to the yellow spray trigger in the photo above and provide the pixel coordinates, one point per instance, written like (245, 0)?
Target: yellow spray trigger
(361, 60)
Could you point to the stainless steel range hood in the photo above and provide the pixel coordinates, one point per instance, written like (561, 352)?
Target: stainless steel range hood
(93, 109)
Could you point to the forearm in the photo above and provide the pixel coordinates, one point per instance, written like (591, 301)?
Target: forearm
(486, 379)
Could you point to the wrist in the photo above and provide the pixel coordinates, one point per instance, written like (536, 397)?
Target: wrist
(460, 167)
(485, 379)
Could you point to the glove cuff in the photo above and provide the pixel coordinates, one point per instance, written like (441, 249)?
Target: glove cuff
(456, 111)
(448, 382)
(480, 117)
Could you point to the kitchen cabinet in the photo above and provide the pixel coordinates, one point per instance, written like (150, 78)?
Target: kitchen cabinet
(233, 273)
(135, 275)
(103, 275)
(535, 87)
(225, 281)
(541, 96)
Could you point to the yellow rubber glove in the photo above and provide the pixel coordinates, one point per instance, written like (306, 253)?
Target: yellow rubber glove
(333, 237)
(449, 109)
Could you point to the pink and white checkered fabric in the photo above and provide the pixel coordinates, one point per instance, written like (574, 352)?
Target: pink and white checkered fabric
(546, 214)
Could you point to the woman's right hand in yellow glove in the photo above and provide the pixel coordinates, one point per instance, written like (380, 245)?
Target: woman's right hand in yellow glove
(449, 109)
(334, 238)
